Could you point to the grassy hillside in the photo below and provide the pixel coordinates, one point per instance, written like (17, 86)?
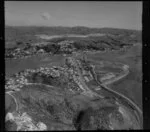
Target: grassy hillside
(131, 85)
(27, 34)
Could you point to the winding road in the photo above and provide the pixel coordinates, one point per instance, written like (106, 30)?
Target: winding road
(89, 92)
(85, 88)
(9, 93)
(105, 87)
(117, 94)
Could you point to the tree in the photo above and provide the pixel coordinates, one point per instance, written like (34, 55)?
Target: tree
(19, 43)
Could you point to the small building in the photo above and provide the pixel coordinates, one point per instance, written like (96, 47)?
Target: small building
(86, 79)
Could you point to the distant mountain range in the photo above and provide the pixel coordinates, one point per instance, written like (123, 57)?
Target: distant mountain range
(113, 36)
(69, 30)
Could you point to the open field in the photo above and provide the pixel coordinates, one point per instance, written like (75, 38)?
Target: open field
(131, 85)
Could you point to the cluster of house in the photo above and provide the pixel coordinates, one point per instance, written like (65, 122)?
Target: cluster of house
(20, 79)
(16, 83)
(67, 46)
(73, 79)
(37, 48)
(21, 53)
(79, 71)
(45, 70)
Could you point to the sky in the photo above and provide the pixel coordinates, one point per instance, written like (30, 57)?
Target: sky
(127, 15)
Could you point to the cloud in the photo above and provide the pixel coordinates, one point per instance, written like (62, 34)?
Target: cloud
(46, 16)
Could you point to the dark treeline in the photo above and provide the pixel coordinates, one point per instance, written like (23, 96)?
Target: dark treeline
(68, 30)
(24, 35)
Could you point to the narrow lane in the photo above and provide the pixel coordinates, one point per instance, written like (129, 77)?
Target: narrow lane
(9, 93)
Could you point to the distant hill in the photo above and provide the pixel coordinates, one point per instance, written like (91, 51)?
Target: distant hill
(26, 34)
(68, 30)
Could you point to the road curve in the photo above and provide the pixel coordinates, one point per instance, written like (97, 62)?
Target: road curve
(117, 78)
(129, 101)
(124, 97)
(104, 86)
(9, 93)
